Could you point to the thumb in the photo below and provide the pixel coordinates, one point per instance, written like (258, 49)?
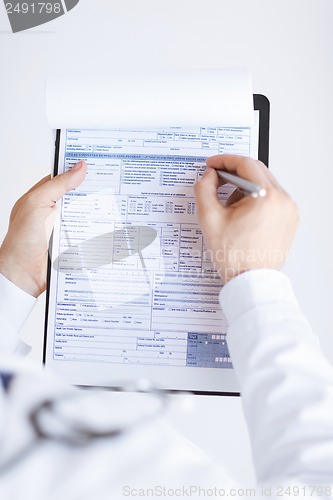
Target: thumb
(206, 197)
(55, 188)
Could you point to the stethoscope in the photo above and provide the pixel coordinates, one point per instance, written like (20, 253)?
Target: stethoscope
(73, 432)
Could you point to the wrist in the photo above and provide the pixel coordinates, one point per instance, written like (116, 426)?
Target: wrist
(13, 271)
(230, 262)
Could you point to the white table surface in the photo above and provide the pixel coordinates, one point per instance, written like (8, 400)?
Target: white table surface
(288, 47)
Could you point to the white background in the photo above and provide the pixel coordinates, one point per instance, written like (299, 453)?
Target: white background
(288, 47)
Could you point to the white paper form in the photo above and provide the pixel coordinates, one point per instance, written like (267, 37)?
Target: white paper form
(133, 291)
(133, 281)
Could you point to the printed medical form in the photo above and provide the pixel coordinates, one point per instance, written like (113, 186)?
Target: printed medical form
(132, 282)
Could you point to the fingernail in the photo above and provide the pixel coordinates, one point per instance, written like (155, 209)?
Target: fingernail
(78, 165)
(208, 169)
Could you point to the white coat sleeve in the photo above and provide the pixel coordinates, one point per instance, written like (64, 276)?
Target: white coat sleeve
(286, 381)
(15, 307)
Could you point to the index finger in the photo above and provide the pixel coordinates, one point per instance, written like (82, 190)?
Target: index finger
(243, 166)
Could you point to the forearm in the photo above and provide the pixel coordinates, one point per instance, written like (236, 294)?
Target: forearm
(286, 382)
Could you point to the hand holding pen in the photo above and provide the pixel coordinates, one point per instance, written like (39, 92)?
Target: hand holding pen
(252, 232)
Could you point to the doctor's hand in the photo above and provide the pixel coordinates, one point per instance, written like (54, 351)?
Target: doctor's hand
(23, 254)
(247, 233)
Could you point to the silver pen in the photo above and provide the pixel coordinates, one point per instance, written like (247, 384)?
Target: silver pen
(245, 186)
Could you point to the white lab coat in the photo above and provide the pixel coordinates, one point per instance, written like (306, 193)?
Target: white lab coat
(287, 394)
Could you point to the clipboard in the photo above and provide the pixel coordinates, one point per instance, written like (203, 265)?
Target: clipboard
(59, 338)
